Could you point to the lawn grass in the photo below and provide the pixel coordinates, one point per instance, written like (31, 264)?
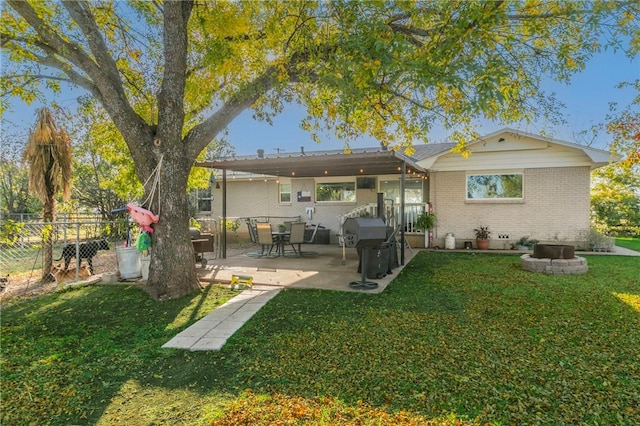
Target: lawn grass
(630, 243)
(457, 338)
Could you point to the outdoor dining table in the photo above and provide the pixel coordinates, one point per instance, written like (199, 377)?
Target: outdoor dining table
(280, 238)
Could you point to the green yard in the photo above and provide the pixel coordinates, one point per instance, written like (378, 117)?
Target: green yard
(457, 338)
(630, 243)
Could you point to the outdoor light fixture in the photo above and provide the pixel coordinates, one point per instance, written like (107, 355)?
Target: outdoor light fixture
(212, 180)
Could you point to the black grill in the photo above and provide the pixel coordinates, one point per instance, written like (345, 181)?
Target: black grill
(364, 232)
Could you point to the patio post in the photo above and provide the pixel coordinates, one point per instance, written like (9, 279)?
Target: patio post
(224, 214)
(403, 174)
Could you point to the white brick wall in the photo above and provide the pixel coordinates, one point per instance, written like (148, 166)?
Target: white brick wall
(260, 198)
(555, 207)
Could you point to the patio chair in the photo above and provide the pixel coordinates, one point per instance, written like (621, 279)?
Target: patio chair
(311, 239)
(265, 238)
(297, 237)
(253, 232)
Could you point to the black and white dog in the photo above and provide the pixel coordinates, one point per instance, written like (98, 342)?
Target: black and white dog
(87, 251)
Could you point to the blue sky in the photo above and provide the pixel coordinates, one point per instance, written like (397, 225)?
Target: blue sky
(587, 101)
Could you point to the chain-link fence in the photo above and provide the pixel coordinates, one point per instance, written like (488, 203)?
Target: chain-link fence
(80, 248)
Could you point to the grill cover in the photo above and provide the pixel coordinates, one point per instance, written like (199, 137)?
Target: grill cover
(364, 231)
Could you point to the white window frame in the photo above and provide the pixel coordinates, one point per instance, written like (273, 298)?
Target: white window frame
(494, 173)
(204, 195)
(280, 191)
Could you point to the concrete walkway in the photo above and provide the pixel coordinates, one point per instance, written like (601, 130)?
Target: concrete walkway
(621, 251)
(211, 332)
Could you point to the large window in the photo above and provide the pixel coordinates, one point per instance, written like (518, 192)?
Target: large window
(284, 190)
(494, 186)
(335, 191)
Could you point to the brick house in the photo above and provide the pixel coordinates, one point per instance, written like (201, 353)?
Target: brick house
(516, 183)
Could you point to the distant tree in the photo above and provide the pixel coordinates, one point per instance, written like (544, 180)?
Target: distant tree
(625, 129)
(174, 75)
(48, 153)
(615, 193)
(104, 172)
(615, 197)
(14, 179)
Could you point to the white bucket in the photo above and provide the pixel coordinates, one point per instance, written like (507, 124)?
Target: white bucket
(449, 241)
(145, 261)
(128, 262)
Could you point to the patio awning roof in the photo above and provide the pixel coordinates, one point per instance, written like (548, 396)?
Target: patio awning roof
(358, 162)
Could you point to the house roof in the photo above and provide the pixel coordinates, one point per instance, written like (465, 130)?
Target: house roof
(363, 161)
(368, 161)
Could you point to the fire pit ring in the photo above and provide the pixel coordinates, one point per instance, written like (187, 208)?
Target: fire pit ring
(553, 251)
(554, 259)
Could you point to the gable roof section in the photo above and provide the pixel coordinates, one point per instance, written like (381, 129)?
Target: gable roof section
(536, 148)
(595, 155)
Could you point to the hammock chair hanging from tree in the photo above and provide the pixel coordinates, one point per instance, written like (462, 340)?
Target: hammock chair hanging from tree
(143, 214)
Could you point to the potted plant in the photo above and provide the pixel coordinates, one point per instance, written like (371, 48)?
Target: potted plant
(525, 243)
(425, 222)
(482, 237)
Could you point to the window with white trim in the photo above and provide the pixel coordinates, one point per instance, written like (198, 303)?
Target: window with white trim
(204, 199)
(501, 186)
(335, 191)
(284, 192)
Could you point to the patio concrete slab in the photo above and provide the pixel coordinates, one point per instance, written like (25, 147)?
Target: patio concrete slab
(324, 268)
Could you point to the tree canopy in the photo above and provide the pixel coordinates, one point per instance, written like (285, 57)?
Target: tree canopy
(173, 75)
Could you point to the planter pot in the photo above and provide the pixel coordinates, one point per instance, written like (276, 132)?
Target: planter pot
(482, 244)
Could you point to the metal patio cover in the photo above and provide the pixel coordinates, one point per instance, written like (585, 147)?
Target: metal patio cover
(358, 162)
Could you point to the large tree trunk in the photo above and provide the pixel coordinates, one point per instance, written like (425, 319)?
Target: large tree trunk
(172, 271)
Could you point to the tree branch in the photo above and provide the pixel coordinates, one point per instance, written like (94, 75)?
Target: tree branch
(49, 38)
(81, 14)
(202, 134)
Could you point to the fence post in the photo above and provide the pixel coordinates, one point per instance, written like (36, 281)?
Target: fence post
(64, 228)
(78, 257)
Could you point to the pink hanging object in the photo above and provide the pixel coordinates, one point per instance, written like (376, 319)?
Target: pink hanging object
(143, 216)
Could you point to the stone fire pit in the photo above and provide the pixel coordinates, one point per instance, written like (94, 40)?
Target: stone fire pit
(554, 259)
